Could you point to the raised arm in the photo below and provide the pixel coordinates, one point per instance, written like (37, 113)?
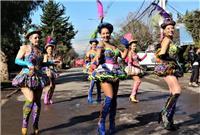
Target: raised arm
(21, 53)
(124, 53)
(45, 59)
(141, 59)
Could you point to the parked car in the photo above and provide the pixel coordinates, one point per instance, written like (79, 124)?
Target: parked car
(149, 62)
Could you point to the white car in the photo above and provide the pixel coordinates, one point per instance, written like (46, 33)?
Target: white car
(149, 62)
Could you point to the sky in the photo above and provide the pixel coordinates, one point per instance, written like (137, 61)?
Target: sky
(83, 15)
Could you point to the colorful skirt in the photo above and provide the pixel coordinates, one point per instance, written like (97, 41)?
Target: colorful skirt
(133, 71)
(168, 68)
(32, 80)
(108, 72)
(51, 73)
(89, 68)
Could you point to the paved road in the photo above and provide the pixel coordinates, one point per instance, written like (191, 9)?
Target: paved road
(71, 115)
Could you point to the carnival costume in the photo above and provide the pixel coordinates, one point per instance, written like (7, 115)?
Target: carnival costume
(34, 79)
(133, 68)
(168, 66)
(90, 66)
(109, 71)
(51, 72)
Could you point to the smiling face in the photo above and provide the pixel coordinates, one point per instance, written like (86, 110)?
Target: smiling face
(105, 34)
(169, 30)
(49, 50)
(34, 39)
(93, 45)
(133, 46)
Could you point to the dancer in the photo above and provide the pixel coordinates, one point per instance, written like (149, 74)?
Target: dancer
(109, 73)
(134, 69)
(169, 70)
(50, 70)
(91, 64)
(31, 79)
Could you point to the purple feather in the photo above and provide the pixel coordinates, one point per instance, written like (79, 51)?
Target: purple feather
(161, 11)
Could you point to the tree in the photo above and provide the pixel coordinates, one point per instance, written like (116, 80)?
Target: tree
(139, 30)
(14, 14)
(56, 24)
(192, 22)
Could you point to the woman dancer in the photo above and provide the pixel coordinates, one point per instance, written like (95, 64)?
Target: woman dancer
(133, 69)
(91, 64)
(109, 73)
(31, 79)
(169, 70)
(50, 70)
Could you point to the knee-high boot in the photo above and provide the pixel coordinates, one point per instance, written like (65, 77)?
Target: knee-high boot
(46, 98)
(98, 92)
(36, 115)
(27, 108)
(105, 110)
(90, 100)
(168, 111)
(51, 91)
(112, 116)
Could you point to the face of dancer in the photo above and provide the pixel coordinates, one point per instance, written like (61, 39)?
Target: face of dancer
(49, 50)
(133, 47)
(34, 39)
(169, 30)
(93, 45)
(105, 34)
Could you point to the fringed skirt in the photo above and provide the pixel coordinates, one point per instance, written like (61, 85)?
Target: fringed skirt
(32, 80)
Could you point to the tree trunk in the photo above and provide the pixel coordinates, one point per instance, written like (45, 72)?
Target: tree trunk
(4, 67)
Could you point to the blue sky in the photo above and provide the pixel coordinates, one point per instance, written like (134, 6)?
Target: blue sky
(83, 15)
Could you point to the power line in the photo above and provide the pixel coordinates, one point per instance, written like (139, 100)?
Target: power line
(175, 9)
(142, 14)
(139, 9)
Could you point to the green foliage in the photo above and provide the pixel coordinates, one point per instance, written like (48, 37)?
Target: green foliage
(139, 31)
(14, 15)
(192, 22)
(56, 24)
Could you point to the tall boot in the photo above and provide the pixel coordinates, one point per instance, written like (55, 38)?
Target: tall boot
(105, 110)
(133, 95)
(50, 94)
(98, 92)
(36, 115)
(46, 98)
(112, 116)
(161, 113)
(27, 108)
(168, 112)
(90, 100)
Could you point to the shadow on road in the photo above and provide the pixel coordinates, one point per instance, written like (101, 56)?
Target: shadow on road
(143, 120)
(74, 121)
(195, 120)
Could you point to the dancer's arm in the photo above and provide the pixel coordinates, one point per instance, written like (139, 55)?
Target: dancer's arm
(20, 55)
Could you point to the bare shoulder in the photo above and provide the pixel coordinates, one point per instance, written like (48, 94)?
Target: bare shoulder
(24, 47)
(165, 42)
(101, 44)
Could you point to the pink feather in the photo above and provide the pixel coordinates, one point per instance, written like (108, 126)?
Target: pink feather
(100, 9)
(128, 36)
(48, 39)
